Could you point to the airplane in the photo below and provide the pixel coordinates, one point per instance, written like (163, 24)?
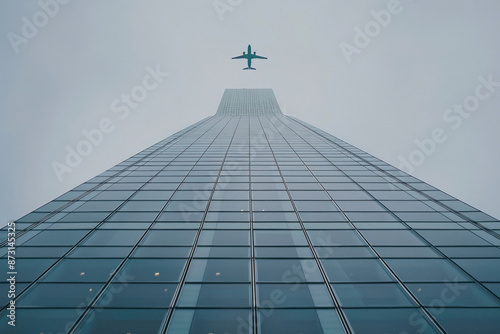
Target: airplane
(249, 56)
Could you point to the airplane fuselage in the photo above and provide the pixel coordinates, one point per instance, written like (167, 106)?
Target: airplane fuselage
(249, 56)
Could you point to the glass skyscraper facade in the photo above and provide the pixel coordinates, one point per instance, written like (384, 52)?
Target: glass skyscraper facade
(250, 221)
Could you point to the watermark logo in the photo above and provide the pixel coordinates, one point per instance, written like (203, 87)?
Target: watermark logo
(371, 30)
(11, 273)
(221, 7)
(31, 27)
(120, 106)
(453, 116)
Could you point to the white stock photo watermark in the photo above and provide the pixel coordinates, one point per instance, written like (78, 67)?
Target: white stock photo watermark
(293, 278)
(120, 282)
(121, 107)
(447, 296)
(221, 7)
(371, 30)
(30, 27)
(454, 117)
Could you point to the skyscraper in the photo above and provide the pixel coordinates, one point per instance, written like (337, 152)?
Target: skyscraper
(250, 221)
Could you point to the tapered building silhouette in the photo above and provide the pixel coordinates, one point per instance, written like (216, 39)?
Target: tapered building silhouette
(250, 221)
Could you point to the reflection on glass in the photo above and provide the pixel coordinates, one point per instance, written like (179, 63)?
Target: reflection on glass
(137, 295)
(355, 270)
(40, 320)
(59, 295)
(151, 270)
(82, 270)
(219, 270)
(310, 321)
(210, 321)
(468, 320)
(389, 320)
(287, 270)
(293, 295)
(453, 294)
(120, 321)
(371, 295)
(215, 295)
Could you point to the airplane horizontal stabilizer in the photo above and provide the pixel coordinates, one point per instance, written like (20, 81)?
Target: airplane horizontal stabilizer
(249, 68)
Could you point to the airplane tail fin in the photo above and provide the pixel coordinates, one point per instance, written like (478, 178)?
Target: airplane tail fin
(249, 68)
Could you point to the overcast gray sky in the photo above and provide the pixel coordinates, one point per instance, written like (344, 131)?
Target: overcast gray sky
(378, 74)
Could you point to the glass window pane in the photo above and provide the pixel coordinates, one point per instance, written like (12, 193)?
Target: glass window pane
(309, 195)
(143, 206)
(406, 252)
(355, 270)
(269, 195)
(283, 252)
(315, 206)
(468, 320)
(40, 320)
(215, 295)
(379, 226)
(359, 206)
(230, 195)
(107, 206)
(452, 294)
(186, 206)
(119, 321)
(389, 320)
(287, 270)
(235, 216)
(426, 270)
(133, 216)
(494, 287)
(282, 237)
(371, 295)
(152, 270)
(56, 238)
(322, 216)
(481, 269)
(163, 195)
(170, 252)
(392, 237)
(58, 295)
(224, 238)
(335, 238)
(125, 226)
(344, 252)
(228, 206)
(209, 321)
(453, 238)
(293, 295)
(349, 195)
(470, 251)
(219, 270)
(174, 225)
(406, 206)
(272, 205)
(169, 238)
(41, 251)
(104, 252)
(137, 295)
(113, 238)
(311, 321)
(226, 225)
(82, 270)
(224, 252)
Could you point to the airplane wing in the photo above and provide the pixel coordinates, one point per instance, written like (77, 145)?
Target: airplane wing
(239, 57)
(259, 57)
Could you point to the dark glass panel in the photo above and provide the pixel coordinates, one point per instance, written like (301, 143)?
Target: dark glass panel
(120, 321)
